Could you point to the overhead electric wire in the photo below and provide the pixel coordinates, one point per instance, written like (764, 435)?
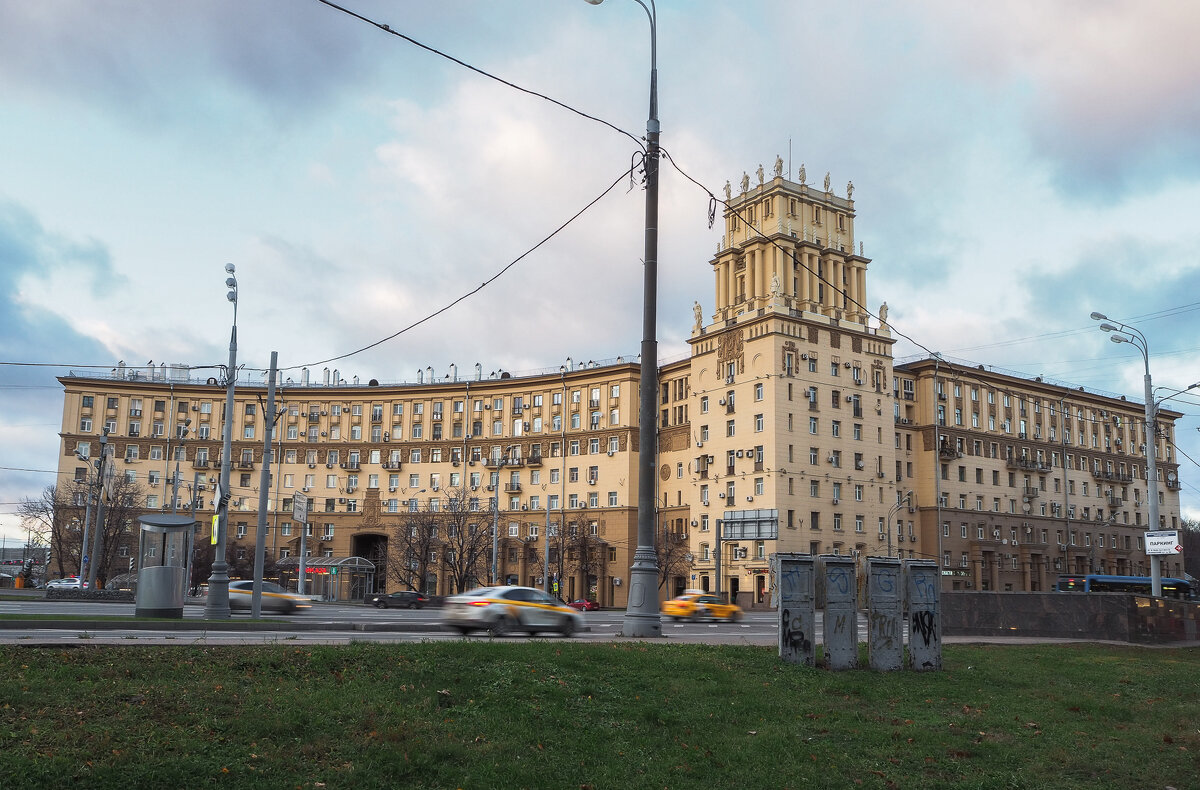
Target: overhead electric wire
(478, 288)
(481, 72)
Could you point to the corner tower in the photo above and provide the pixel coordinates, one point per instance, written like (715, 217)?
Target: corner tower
(789, 406)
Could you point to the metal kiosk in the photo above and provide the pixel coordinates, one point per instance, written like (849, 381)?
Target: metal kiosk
(164, 545)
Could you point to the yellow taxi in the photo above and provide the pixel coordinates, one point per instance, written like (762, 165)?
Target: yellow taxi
(700, 606)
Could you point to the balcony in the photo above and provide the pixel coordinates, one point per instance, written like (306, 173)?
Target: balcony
(245, 464)
(200, 463)
(534, 460)
(1112, 477)
(1027, 464)
(1030, 492)
(512, 488)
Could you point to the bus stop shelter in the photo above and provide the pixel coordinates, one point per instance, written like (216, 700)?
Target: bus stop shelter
(329, 578)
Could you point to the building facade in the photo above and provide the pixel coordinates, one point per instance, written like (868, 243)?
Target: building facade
(787, 428)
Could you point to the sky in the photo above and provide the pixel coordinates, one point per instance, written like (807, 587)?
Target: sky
(1016, 166)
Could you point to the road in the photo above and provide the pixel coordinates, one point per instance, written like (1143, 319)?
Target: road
(331, 623)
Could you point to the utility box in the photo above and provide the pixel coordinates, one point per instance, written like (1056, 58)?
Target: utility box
(885, 614)
(164, 545)
(797, 606)
(840, 631)
(923, 598)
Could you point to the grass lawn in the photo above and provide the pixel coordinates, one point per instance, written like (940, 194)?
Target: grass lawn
(552, 714)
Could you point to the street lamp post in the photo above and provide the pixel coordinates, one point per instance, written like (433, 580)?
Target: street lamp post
(896, 509)
(641, 614)
(98, 536)
(89, 484)
(1128, 334)
(217, 604)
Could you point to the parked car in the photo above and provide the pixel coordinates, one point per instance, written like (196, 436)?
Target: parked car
(69, 583)
(584, 605)
(701, 606)
(401, 599)
(504, 610)
(274, 597)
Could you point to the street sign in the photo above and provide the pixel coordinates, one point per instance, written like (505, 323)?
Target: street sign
(1163, 541)
(300, 508)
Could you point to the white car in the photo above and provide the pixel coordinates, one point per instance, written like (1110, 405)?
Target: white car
(70, 583)
(505, 610)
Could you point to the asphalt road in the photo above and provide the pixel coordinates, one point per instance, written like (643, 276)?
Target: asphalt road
(327, 623)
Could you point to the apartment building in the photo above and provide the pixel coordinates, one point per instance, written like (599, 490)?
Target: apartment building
(536, 455)
(1014, 480)
(787, 428)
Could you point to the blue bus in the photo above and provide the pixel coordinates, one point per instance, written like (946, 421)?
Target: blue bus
(1138, 585)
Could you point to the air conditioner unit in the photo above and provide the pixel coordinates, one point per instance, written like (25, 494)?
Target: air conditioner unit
(610, 453)
(699, 444)
(881, 475)
(912, 509)
(941, 396)
(846, 365)
(900, 538)
(434, 487)
(524, 507)
(721, 495)
(324, 413)
(996, 534)
(474, 488)
(860, 465)
(195, 408)
(729, 380)
(387, 436)
(804, 356)
(343, 465)
(454, 463)
(305, 489)
(749, 499)
(721, 401)
(312, 466)
(1015, 543)
(391, 488)
(831, 459)
(836, 500)
(849, 399)
(341, 500)
(491, 488)
(329, 465)
(738, 453)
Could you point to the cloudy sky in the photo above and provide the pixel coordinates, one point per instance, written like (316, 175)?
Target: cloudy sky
(1016, 166)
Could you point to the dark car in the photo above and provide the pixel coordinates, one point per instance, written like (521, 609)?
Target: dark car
(403, 599)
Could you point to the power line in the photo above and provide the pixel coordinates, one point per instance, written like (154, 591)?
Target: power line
(481, 72)
(478, 288)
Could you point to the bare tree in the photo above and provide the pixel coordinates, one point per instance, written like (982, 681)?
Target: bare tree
(416, 536)
(468, 540)
(674, 555)
(1189, 537)
(587, 555)
(57, 517)
(51, 517)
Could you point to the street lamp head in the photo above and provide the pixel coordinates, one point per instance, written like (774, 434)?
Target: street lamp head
(1119, 339)
(1107, 328)
(231, 296)
(593, 2)
(230, 282)
(229, 267)
(1099, 317)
